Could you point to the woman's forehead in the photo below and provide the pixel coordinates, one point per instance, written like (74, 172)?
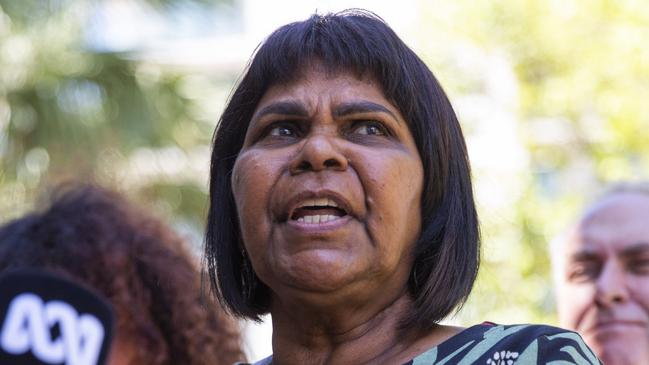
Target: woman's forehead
(318, 85)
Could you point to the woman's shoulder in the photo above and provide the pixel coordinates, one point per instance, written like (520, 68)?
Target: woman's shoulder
(491, 344)
(265, 361)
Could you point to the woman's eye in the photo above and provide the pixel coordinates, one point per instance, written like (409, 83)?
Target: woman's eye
(281, 131)
(369, 128)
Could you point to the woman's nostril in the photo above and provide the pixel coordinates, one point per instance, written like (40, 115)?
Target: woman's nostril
(317, 164)
(304, 166)
(331, 163)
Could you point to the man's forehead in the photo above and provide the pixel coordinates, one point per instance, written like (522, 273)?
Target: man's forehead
(580, 239)
(618, 206)
(620, 219)
(587, 240)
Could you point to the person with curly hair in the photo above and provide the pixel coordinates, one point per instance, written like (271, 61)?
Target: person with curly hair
(96, 238)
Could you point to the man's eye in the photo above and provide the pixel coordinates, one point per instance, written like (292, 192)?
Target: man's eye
(639, 266)
(369, 128)
(583, 272)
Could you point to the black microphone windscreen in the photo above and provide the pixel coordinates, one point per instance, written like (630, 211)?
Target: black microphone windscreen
(46, 319)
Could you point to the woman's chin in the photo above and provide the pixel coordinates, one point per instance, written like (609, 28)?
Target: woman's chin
(321, 270)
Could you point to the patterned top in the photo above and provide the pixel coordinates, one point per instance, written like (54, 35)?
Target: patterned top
(491, 344)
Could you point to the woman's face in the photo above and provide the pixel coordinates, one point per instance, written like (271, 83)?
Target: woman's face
(328, 186)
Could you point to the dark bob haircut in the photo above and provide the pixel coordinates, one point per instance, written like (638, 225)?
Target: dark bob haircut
(446, 256)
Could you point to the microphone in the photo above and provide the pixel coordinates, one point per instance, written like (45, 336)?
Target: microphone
(48, 320)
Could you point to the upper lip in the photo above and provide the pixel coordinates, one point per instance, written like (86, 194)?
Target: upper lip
(302, 199)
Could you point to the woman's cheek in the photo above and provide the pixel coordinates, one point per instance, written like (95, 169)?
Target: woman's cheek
(248, 176)
(253, 177)
(244, 188)
(396, 184)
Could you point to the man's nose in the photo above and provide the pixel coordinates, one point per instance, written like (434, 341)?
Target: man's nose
(611, 286)
(319, 152)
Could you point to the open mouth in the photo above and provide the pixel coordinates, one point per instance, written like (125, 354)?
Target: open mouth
(316, 211)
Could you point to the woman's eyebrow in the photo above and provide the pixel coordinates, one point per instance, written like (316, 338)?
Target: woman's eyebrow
(353, 107)
(293, 108)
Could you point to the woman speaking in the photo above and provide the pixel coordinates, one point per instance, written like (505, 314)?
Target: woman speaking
(341, 204)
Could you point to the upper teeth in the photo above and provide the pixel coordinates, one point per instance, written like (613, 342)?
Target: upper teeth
(319, 202)
(317, 218)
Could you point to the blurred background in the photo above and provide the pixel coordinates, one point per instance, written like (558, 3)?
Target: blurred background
(553, 96)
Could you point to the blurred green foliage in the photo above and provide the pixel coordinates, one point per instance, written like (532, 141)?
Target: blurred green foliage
(71, 113)
(563, 85)
(581, 74)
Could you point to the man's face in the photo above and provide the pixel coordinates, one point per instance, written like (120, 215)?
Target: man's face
(603, 279)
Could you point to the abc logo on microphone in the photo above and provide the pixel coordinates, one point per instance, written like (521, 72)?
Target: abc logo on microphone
(45, 319)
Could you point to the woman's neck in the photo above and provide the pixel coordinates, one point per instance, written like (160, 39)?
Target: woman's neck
(349, 334)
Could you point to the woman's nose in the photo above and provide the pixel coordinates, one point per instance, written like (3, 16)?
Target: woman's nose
(611, 286)
(319, 152)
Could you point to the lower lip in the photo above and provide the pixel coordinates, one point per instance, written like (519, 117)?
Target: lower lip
(618, 326)
(328, 226)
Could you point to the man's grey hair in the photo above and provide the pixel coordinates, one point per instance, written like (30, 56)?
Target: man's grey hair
(640, 187)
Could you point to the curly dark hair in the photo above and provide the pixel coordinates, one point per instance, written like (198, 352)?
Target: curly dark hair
(95, 237)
